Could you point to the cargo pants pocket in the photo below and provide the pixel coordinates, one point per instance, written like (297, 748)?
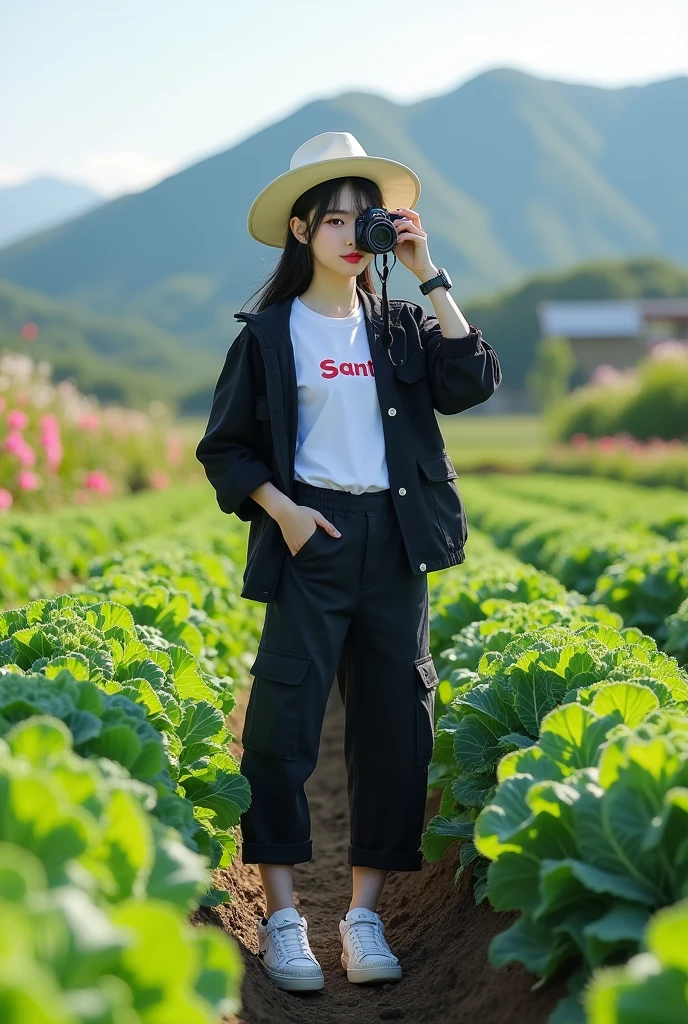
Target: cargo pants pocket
(273, 713)
(426, 687)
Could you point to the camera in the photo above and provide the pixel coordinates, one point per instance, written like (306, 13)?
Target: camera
(375, 231)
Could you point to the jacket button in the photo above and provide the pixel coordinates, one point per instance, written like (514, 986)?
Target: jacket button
(422, 566)
(392, 412)
(402, 490)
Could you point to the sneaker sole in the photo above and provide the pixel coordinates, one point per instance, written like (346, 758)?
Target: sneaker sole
(363, 974)
(294, 984)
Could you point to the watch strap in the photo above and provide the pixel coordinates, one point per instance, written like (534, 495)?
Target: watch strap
(441, 279)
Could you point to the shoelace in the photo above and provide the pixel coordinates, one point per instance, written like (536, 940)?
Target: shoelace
(293, 939)
(369, 941)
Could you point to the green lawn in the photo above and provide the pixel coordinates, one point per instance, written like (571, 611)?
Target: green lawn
(484, 440)
(471, 440)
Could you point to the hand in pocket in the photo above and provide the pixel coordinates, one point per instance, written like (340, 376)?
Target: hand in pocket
(299, 523)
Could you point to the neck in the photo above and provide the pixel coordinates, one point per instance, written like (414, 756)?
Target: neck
(329, 293)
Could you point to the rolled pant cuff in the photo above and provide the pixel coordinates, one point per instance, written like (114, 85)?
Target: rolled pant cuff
(277, 853)
(386, 861)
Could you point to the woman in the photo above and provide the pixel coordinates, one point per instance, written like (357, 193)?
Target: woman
(323, 435)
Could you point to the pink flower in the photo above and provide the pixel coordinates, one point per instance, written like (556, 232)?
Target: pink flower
(17, 444)
(607, 444)
(53, 456)
(159, 479)
(174, 449)
(13, 442)
(29, 331)
(50, 438)
(89, 421)
(17, 420)
(96, 480)
(27, 455)
(579, 440)
(50, 425)
(28, 481)
(6, 498)
(605, 374)
(669, 348)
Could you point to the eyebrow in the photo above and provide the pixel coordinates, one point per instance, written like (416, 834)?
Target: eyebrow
(338, 211)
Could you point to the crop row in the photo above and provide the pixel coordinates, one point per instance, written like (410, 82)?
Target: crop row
(662, 510)
(562, 754)
(634, 571)
(40, 551)
(118, 795)
(558, 721)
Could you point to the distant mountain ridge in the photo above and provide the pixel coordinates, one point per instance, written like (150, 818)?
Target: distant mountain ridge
(41, 203)
(523, 179)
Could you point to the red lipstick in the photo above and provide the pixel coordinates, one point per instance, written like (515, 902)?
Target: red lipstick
(353, 258)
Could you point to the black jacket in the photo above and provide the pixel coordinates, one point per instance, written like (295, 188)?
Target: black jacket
(252, 429)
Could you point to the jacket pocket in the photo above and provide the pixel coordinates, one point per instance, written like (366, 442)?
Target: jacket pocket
(443, 501)
(273, 714)
(426, 682)
(414, 369)
(438, 467)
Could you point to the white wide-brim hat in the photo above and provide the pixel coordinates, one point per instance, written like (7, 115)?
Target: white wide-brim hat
(328, 155)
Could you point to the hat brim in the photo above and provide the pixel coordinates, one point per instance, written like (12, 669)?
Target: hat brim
(269, 213)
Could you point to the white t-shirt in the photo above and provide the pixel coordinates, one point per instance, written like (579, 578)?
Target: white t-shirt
(340, 443)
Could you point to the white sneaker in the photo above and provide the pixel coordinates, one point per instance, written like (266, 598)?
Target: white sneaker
(285, 953)
(366, 955)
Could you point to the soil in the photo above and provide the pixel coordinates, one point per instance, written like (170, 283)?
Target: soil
(440, 936)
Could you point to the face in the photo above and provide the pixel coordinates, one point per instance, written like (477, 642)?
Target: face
(336, 238)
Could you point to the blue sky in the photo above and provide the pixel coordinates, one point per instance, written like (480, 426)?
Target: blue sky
(117, 94)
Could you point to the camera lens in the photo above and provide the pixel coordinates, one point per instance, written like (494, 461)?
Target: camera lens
(382, 236)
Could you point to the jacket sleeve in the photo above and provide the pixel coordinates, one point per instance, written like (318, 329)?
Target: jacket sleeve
(227, 450)
(463, 371)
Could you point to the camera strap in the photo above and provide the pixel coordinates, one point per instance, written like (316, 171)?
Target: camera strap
(387, 336)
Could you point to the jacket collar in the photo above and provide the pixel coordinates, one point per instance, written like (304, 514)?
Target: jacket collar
(275, 317)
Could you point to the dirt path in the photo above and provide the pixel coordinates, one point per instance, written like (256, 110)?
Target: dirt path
(434, 927)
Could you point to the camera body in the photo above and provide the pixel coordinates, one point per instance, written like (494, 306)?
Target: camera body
(375, 231)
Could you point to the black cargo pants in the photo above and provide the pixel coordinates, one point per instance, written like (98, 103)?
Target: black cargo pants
(348, 606)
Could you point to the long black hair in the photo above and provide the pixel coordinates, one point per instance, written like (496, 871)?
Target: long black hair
(294, 272)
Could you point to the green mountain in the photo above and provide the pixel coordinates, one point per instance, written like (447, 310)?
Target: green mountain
(520, 175)
(118, 359)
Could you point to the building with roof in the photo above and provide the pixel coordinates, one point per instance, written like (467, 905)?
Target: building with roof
(617, 332)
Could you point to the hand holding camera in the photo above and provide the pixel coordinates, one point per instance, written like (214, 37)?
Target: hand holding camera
(380, 231)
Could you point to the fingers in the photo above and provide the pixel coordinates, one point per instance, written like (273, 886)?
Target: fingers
(411, 214)
(408, 228)
(411, 230)
(327, 525)
(408, 235)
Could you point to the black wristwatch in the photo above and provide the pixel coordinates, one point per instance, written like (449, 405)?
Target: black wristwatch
(442, 278)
